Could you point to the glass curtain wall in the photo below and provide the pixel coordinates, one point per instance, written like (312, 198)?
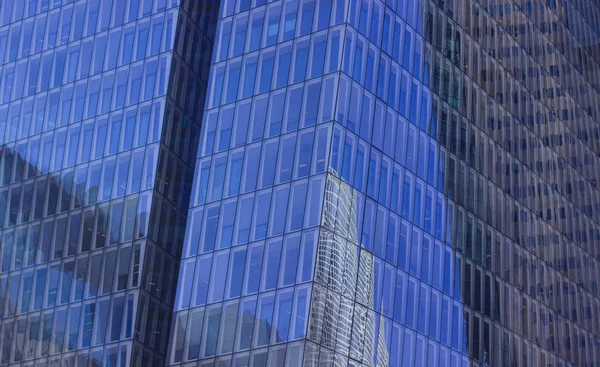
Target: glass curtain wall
(398, 182)
(318, 230)
(97, 148)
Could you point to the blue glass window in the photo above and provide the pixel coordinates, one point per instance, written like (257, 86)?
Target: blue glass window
(300, 62)
(279, 210)
(218, 179)
(239, 37)
(256, 32)
(156, 37)
(346, 163)
(217, 87)
(235, 175)
(269, 157)
(298, 201)
(266, 72)
(324, 14)
(266, 313)
(255, 258)
(294, 103)
(287, 158)
(318, 57)
(370, 70)
(334, 53)
(242, 122)
(358, 59)
(362, 22)
(233, 78)
(243, 230)
(249, 78)
(289, 25)
(203, 276)
(261, 216)
(271, 268)
(308, 7)
(361, 162)
(273, 26)
(227, 223)
(237, 272)
(311, 105)
(305, 153)
(127, 50)
(277, 105)
(283, 66)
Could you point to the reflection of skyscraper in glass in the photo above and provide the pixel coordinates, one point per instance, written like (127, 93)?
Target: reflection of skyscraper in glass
(344, 277)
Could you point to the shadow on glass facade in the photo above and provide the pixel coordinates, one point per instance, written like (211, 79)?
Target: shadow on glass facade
(98, 142)
(299, 183)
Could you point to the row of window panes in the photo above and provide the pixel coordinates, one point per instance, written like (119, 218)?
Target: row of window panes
(396, 305)
(577, 233)
(73, 103)
(462, 290)
(275, 23)
(86, 185)
(244, 270)
(585, 278)
(66, 236)
(463, 191)
(515, 217)
(76, 279)
(250, 322)
(260, 165)
(85, 20)
(79, 144)
(443, 135)
(67, 328)
(578, 91)
(107, 51)
(515, 139)
(267, 116)
(564, 111)
(114, 354)
(365, 61)
(274, 68)
(588, 284)
(286, 208)
(578, 83)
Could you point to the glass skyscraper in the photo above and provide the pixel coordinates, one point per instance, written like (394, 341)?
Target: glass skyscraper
(278, 183)
(101, 104)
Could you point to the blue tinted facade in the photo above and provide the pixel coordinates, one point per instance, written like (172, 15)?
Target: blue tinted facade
(318, 232)
(395, 183)
(299, 183)
(97, 150)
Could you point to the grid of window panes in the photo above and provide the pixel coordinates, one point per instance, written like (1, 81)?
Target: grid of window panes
(382, 146)
(478, 201)
(82, 101)
(251, 238)
(516, 114)
(297, 87)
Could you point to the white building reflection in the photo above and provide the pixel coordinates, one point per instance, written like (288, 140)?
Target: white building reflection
(342, 320)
